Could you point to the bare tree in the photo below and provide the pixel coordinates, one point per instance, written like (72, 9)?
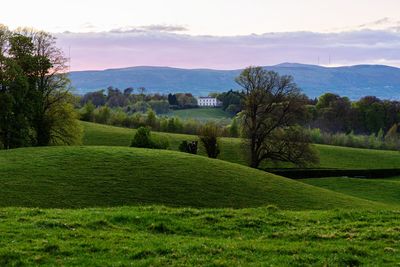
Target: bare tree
(271, 106)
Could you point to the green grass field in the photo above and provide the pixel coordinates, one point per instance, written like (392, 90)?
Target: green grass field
(201, 114)
(232, 150)
(382, 190)
(159, 236)
(106, 204)
(76, 177)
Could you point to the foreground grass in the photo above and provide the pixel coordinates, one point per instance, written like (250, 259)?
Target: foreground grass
(232, 149)
(160, 236)
(202, 114)
(382, 190)
(70, 177)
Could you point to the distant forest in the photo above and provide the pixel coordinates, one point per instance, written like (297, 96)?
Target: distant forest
(330, 112)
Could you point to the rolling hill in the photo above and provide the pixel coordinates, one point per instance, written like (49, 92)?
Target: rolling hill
(78, 177)
(232, 151)
(354, 82)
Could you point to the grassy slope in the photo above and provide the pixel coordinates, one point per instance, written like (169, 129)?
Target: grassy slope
(113, 176)
(202, 114)
(330, 156)
(105, 135)
(159, 236)
(382, 190)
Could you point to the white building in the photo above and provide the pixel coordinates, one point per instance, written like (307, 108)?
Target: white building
(205, 101)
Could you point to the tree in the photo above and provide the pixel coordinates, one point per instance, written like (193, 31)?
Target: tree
(65, 126)
(333, 113)
(15, 112)
(209, 134)
(172, 100)
(34, 91)
(103, 115)
(371, 114)
(50, 84)
(392, 135)
(159, 106)
(143, 139)
(230, 100)
(88, 112)
(272, 104)
(15, 109)
(151, 119)
(97, 98)
(128, 91)
(234, 128)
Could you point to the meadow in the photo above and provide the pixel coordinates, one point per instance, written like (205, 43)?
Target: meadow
(107, 204)
(383, 190)
(202, 114)
(161, 236)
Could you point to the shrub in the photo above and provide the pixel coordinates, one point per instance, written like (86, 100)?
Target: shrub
(188, 147)
(144, 139)
(209, 137)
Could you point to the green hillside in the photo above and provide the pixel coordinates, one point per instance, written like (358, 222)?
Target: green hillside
(64, 177)
(201, 114)
(231, 150)
(383, 190)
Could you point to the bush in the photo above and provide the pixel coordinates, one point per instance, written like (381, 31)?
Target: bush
(209, 137)
(143, 139)
(188, 147)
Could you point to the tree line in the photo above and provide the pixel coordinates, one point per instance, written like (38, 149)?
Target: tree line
(131, 100)
(332, 113)
(36, 106)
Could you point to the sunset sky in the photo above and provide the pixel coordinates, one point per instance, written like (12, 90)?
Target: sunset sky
(215, 34)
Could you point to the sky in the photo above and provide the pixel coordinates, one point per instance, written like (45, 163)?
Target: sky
(223, 34)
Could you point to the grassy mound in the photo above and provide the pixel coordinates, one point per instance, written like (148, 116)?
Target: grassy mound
(114, 176)
(382, 190)
(159, 236)
(231, 149)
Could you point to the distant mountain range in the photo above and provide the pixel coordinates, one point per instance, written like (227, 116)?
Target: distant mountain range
(354, 81)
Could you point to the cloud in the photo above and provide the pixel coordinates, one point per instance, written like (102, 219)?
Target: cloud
(165, 28)
(382, 24)
(378, 22)
(150, 28)
(153, 46)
